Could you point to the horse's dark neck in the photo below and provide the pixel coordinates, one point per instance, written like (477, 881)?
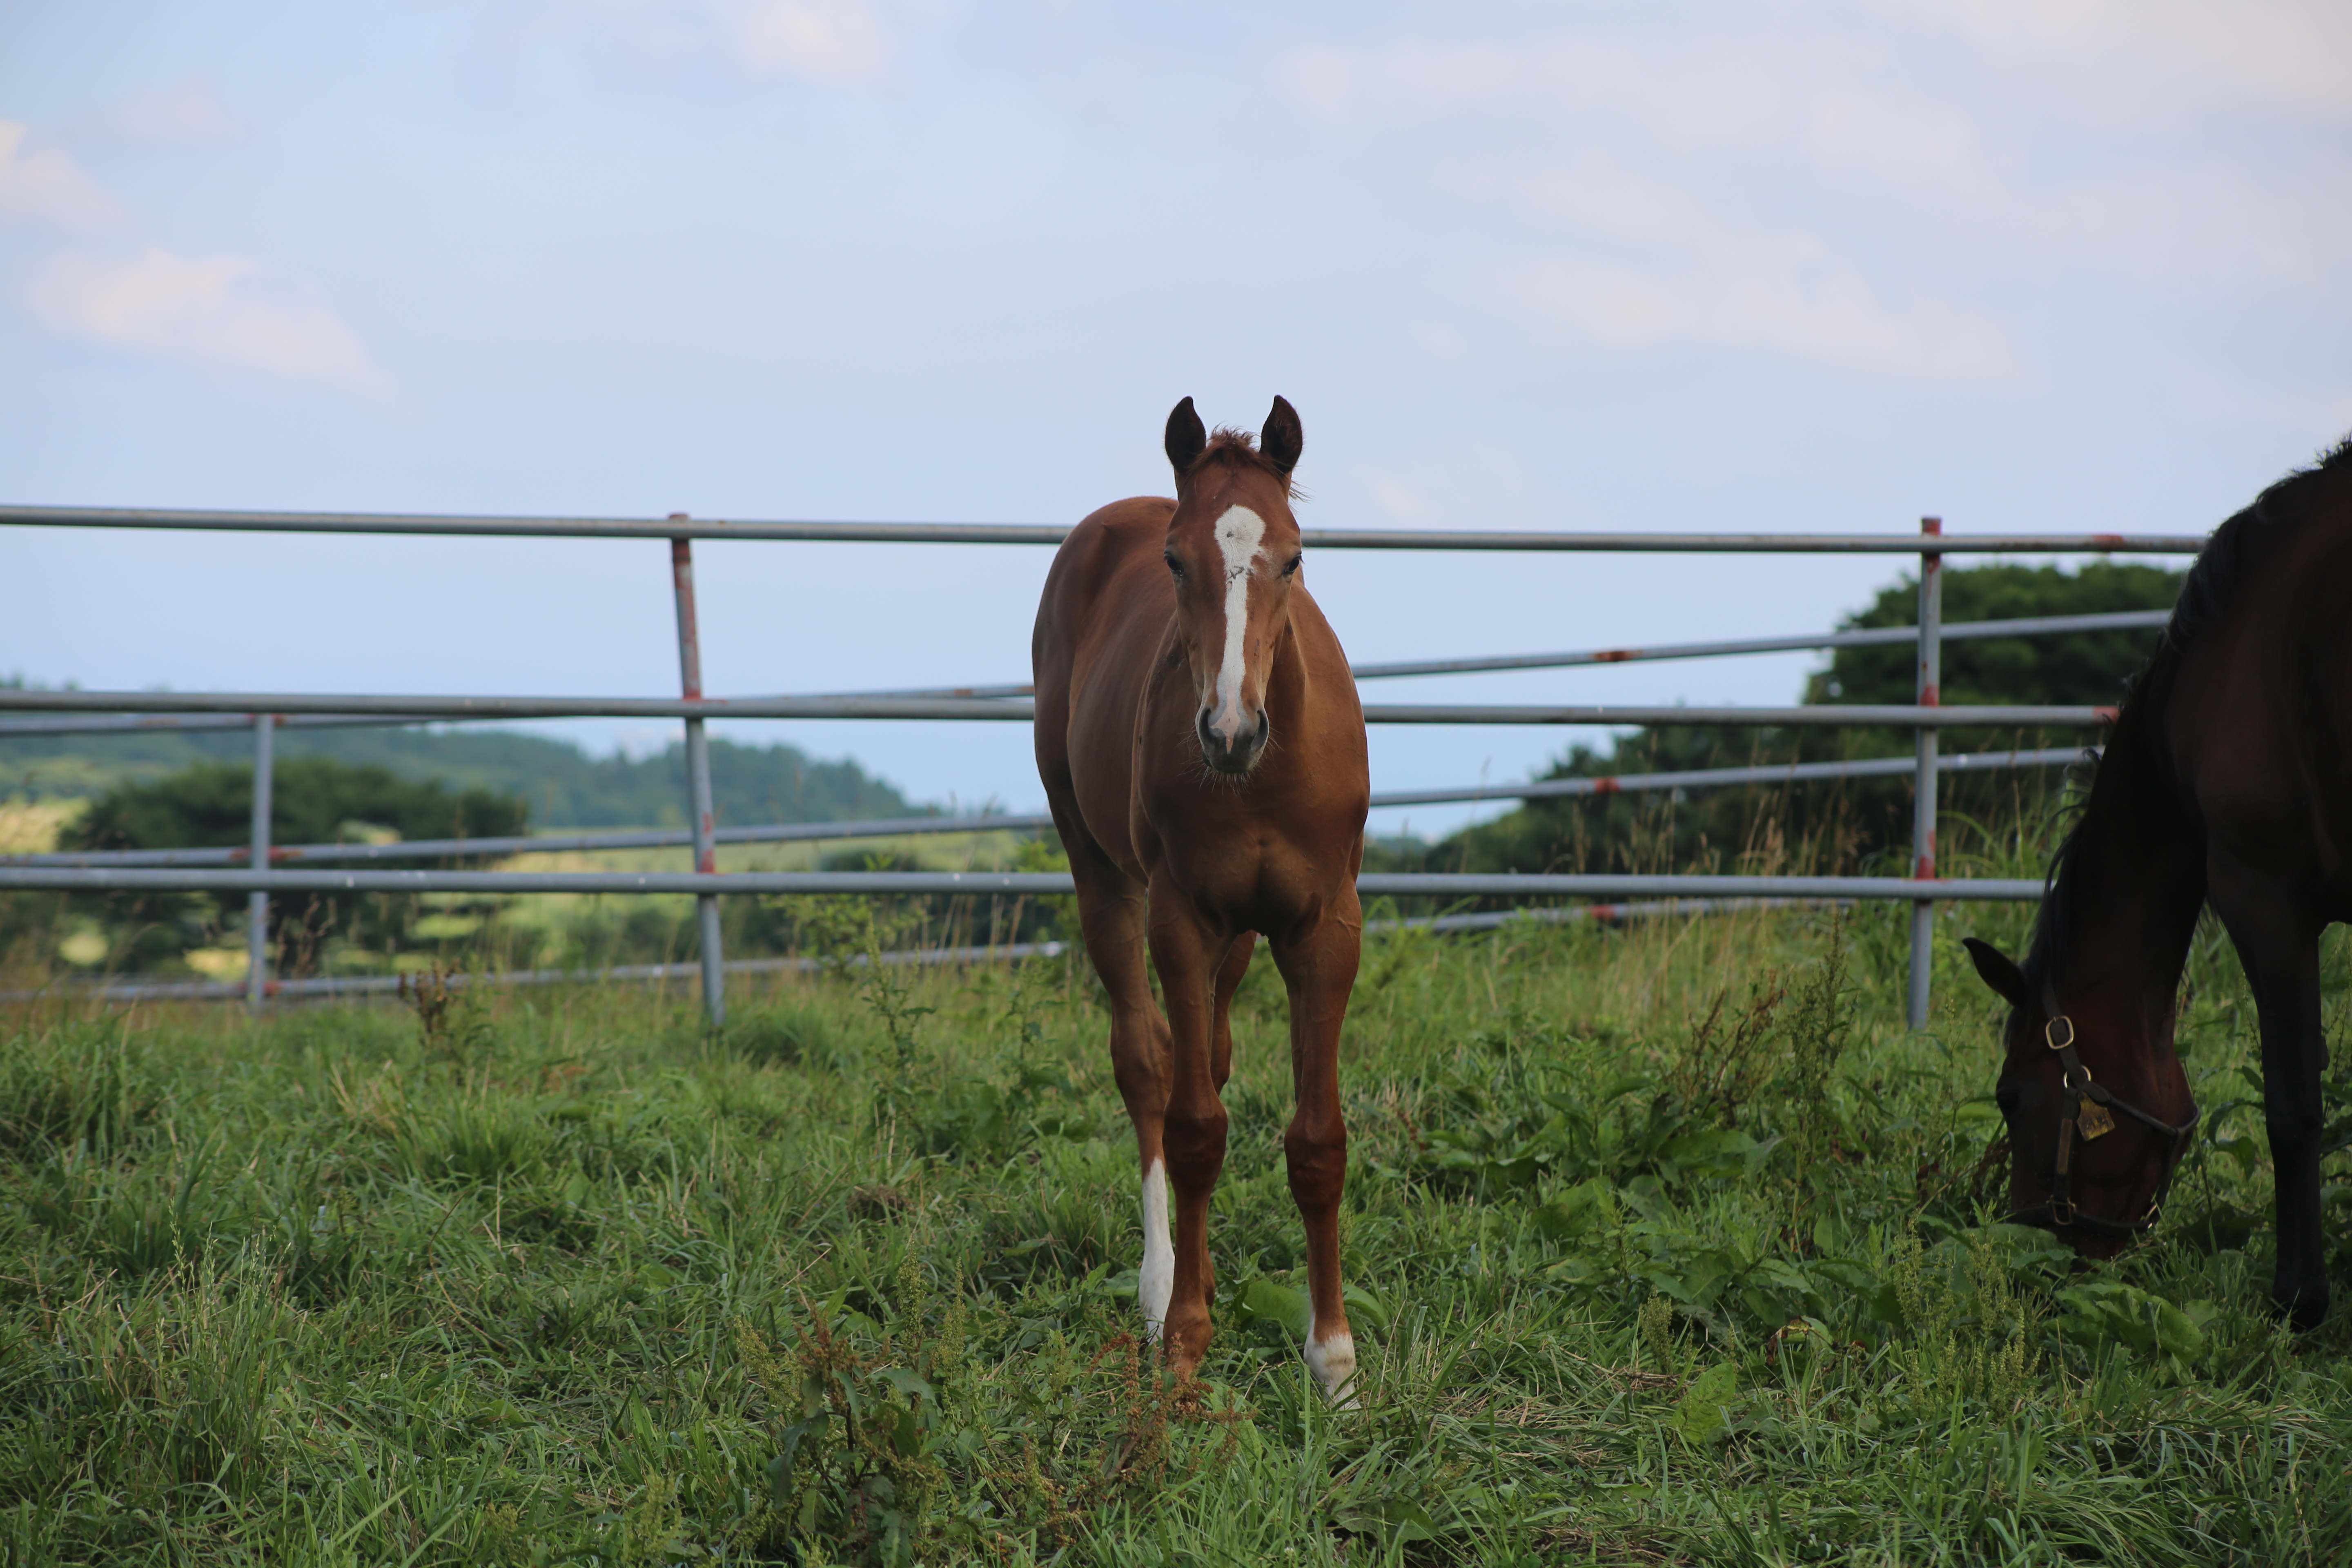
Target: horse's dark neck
(2135, 879)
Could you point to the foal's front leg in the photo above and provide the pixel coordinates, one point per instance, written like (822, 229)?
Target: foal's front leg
(1319, 968)
(1187, 954)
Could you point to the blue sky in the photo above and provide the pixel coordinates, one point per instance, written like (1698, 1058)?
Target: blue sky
(2070, 265)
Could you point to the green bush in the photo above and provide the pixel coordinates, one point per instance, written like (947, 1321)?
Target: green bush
(313, 800)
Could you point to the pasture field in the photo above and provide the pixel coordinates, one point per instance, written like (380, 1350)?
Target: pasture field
(1666, 1243)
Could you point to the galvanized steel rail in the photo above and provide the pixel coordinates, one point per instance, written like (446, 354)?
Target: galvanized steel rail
(1033, 884)
(1000, 952)
(1723, 778)
(892, 828)
(678, 526)
(1875, 636)
(1833, 716)
(541, 843)
(1881, 637)
(142, 710)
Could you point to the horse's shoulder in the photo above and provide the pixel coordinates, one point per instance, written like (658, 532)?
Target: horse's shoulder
(1316, 637)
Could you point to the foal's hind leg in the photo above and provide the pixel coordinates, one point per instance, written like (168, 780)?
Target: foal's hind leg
(1111, 911)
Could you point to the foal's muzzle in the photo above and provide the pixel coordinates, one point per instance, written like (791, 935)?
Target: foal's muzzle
(1239, 757)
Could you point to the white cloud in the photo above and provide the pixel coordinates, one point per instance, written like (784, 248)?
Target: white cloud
(1922, 146)
(838, 41)
(221, 312)
(42, 187)
(188, 114)
(2149, 56)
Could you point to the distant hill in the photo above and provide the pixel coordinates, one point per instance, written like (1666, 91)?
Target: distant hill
(562, 786)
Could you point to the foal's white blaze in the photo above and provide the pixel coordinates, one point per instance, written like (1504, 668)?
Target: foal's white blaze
(1239, 533)
(1159, 1278)
(1333, 1363)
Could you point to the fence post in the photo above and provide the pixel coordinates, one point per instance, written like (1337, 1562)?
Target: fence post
(256, 905)
(1923, 798)
(697, 775)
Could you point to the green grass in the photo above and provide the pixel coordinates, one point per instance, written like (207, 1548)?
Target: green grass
(566, 1280)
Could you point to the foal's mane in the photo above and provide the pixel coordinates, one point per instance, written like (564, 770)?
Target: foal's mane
(1232, 449)
(2132, 756)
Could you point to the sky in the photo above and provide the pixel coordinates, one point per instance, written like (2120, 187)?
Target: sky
(2060, 265)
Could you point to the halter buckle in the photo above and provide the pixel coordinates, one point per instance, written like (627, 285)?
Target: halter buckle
(2061, 1211)
(2050, 1032)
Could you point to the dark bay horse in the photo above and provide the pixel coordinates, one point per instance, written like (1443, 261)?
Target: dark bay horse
(1203, 750)
(2228, 778)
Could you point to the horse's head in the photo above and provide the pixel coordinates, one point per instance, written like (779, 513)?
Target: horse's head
(1232, 550)
(2099, 1111)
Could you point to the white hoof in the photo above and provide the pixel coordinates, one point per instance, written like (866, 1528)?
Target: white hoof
(1333, 1363)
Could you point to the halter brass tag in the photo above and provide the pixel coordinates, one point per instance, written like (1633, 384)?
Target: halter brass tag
(2094, 1120)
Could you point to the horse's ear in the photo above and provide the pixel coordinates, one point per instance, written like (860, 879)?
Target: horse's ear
(1998, 971)
(1186, 439)
(1282, 440)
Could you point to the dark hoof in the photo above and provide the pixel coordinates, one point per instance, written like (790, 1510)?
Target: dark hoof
(2304, 1310)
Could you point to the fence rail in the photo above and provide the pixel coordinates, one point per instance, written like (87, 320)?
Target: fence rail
(898, 826)
(681, 526)
(264, 713)
(1000, 953)
(1835, 716)
(1031, 884)
(1881, 637)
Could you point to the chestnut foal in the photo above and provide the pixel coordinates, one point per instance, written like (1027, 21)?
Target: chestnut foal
(1203, 750)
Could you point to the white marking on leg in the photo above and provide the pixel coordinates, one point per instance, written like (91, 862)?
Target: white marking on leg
(1239, 534)
(1333, 1363)
(1157, 1281)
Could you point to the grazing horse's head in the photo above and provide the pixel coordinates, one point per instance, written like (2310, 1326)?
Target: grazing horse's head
(1232, 550)
(2098, 1109)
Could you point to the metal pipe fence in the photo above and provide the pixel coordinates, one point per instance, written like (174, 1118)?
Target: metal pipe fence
(1929, 688)
(1034, 884)
(257, 904)
(892, 828)
(1831, 716)
(1880, 637)
(700, 813)
(265, 712)
(999, 952)
(678, 525)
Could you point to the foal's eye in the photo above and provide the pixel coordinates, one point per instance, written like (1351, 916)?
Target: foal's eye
(1292, 570)
(1175, 566)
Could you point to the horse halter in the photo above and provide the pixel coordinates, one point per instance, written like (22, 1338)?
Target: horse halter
(2095, 1122)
